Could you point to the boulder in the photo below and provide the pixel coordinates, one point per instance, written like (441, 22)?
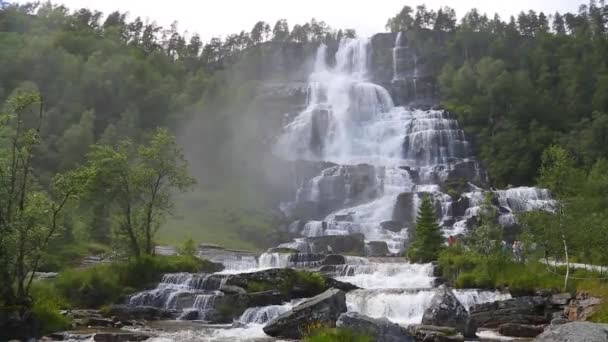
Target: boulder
(446, 310)
(520, 330)
(324, 309)
(339, 244)
(520, 310)
(231, 289)
(460, 206)
(377, 249)
(333, 259)
(560, 299)
(392, 226)
(559, 321)
(431, 333)
(574, 332)
(379, 329)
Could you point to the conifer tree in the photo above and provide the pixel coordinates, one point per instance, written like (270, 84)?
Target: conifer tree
(428, 240)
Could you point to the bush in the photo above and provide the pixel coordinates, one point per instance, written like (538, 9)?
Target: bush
(336, 335)
(46, 308)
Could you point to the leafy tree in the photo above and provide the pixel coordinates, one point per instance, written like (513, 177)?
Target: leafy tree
(29, 216)
(486, 236)
(280, 32)
(138, 185)
(428, 240)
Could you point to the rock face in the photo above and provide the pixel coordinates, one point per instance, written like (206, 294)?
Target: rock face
(340, 244)
(521, 310)
(446, 310)
(323, 309)
(520, 330)
(377, 249)
(379, 329)
(574, 332)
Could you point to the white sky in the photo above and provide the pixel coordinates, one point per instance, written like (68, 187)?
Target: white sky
(211, 18)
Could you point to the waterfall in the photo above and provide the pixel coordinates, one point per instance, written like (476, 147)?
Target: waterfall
(387, 275)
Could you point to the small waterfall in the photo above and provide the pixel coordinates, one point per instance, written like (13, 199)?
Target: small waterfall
(262, 315)
(524, 199)
(387, 275)
(399, 306)
(468, 298)
(398, 50)
(274, 260)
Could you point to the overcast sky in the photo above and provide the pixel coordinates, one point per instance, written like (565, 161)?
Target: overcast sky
(212, 18)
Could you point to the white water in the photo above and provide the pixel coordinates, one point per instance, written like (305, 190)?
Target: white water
(387, 275)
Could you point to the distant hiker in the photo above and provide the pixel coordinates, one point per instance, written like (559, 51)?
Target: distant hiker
(451, 241)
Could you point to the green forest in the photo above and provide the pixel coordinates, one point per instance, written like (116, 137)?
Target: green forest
(117, 134)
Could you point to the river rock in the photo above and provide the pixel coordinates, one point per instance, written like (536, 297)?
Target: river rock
(520, 310)
(446, 310)
(119, 337)
(560, 299)
(324, 309)
(392, 226)
(379, 329)
(431, 333)
(404, 210)
(126, 313)
(231, 289)
(377, 249)
(339, 244)
(520, 330)
(575, 332)
(333, 259)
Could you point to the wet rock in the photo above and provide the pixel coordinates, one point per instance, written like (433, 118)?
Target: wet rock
(377, 249)
(379, 329)
(392, 226)
(324, 309)
(344, 218)
(404, 210)
(333, 259)
(559, 321)
(339, 244)
(190, 315)
(469, 171)
(230, 289)
(520, 330)
(446, 310)
(128, 313)
(282, 250)
(119, 337)
(521, 310)
(98, 322)
(560, 299)
(431, 333)
(575, 331)
(460, 206)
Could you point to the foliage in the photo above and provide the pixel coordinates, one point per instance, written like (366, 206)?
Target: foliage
(30, 215)
(138, 185)
(188, 248)
(46, 309)
(335, 335)
(486, 236)
(109, 283)
(428, 240)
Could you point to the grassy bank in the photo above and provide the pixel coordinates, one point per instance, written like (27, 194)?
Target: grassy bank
(466, 269)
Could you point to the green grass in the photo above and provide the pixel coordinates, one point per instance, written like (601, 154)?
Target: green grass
(465, 269)
(235, 216)
(105, 284)
(67, 255)
(336, 335)
(46, 308)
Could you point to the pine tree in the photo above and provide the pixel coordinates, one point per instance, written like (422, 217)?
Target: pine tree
(428, 239)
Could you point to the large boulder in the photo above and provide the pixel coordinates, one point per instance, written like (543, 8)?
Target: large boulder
(333, 259)
(379, 329)
(446, 310)
(339, 244)
(324, 309)
(521, 310)
(377, 249)
(575, 332)
(582, 307)
(405, 210)
(520, 330)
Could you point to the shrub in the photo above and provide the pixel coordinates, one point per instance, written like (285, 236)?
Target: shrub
(46, 309)
(336, 335)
